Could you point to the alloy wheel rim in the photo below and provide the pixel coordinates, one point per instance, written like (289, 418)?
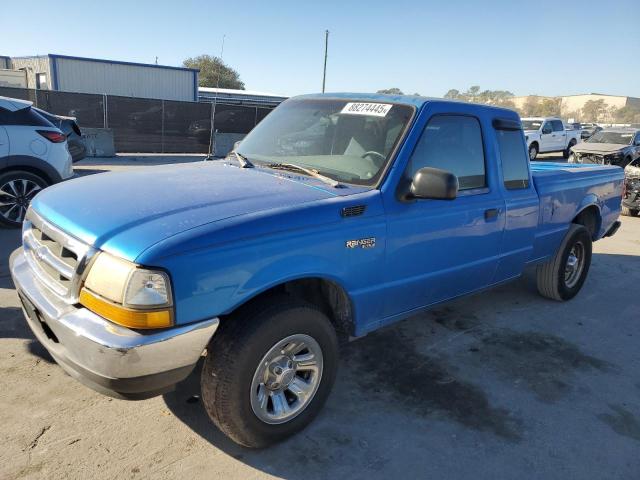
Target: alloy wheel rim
(286, 379)
(575, 265)
(15, 197)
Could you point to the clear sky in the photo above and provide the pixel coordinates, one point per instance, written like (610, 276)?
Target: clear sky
(545, 47)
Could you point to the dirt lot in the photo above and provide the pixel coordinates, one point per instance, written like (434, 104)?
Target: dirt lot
(500, 385)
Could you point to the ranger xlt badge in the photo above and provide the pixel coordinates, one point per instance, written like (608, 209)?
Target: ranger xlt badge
(362, 243)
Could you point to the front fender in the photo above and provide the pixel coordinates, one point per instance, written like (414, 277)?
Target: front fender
(281, 271)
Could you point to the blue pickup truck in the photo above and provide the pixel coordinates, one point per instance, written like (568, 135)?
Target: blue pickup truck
(336, 215)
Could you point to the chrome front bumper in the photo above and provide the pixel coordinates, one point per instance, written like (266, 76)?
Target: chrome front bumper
(111, 359)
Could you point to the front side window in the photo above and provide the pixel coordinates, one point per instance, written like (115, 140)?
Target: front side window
(557, 125)
(514, 159)
(452, 143)
(348, 140)
(547, 128)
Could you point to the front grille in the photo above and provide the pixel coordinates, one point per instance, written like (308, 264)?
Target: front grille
(57, 259)
(590, 158)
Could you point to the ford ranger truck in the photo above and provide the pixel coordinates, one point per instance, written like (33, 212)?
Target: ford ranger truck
(547, 135)
(338, 214)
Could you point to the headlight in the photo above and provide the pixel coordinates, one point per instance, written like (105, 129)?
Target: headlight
(127, 294)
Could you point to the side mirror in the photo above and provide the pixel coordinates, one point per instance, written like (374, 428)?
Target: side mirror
(434, 183)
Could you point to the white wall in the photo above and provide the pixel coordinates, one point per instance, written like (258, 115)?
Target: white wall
(127, 80)
(13, 78)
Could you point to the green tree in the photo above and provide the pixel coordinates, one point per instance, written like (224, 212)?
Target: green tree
(391, 91)
(593, 110)
(549, 107)
(627, 114)
(501, 98)
(214, 72)
(452, 94)
(531, 107)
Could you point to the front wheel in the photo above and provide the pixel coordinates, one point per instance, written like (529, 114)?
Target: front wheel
(269, 370)
(533, 151)
(562, 277)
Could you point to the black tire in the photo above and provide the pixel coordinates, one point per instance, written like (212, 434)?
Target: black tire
(552, 275)
(567, 151)
(238, 348)
(12, 217)
(533, 151)
(629, 212)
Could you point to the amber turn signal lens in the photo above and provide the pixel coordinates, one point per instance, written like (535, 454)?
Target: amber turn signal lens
(125, 316)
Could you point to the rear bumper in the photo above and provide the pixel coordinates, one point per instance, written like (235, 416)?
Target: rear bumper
(111, 359)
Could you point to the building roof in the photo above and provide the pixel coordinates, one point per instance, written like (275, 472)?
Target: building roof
(113, 62)
(231, 91)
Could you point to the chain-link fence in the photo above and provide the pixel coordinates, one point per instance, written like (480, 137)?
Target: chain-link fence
(146, 125)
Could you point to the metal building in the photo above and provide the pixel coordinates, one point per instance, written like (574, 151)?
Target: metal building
(91, 75)
(240, 97)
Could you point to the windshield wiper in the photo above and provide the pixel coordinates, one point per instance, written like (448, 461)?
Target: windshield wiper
(244, 161)
(307, 171)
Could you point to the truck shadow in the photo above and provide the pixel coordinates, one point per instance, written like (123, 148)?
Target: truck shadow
(462, 367)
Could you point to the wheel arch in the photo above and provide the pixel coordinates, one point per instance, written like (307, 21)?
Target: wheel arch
(320, 290)
(34, 165)
(590, 217)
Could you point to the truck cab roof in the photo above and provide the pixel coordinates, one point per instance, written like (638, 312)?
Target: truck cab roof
(416, 101)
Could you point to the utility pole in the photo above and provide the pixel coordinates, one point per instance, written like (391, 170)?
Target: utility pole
(326, 48)
(212, 132)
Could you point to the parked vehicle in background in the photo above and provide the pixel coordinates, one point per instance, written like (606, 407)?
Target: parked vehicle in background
(609, 146)
(548, 134)
(69, 126)
(631, 190)
(297, 239)
(33, 155)
(589, 129)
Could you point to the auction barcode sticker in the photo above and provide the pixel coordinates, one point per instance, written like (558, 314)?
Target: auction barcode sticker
(372, 109)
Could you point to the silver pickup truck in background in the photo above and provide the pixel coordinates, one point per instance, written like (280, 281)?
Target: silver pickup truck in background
(548, 134)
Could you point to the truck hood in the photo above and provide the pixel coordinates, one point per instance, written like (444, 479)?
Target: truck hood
(124, 213)
(586, 147)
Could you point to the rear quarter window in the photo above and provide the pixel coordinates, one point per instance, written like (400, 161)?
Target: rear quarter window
(514, 159)
(25, 116)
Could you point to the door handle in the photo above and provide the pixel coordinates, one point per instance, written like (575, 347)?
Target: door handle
(491, 214)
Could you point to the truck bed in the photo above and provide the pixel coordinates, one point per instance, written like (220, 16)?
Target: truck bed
(564, 190)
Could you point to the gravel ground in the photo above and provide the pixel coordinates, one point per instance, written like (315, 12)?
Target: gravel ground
(504, 384)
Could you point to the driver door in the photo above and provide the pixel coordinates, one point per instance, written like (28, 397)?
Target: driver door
(547, 143)
(440, 249)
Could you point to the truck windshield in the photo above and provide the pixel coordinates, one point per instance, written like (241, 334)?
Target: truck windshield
(620, 138)
(531, 124)
(349, 141)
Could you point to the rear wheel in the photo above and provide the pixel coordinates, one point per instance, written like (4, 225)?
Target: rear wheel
(562, 277)
(567, 151)
(269, 371)
(629, 212)
(17, 189)
(533, 151)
